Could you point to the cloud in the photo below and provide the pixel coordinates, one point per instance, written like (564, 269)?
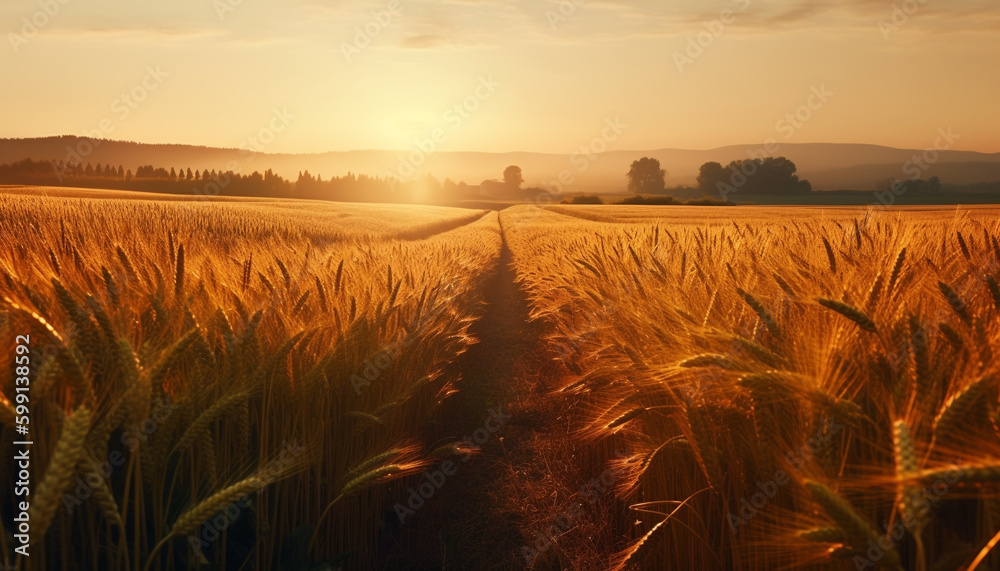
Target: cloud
(135, 34)
(646, 18)
(865, 14)
(172, 36)
(424, 41)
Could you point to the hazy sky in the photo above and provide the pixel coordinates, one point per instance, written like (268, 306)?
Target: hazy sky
(526, 75)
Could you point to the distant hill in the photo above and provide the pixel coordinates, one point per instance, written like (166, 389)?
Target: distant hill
(827, 166)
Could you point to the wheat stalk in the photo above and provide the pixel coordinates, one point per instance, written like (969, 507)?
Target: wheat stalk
(823, 535)
(830, 255)
(762, 312)
(906, 465)
(704, 447)
(852, 313)
(59, 473)
(858, 532)
(220, 408)
(638, 552)
(189, 521)
(991, 284)
(102, 493)
(897, 268)
(374, 461)
(179, 277)
(369, 478)
(710, 360)
(960, 405)
(955, 301)
(628, 416)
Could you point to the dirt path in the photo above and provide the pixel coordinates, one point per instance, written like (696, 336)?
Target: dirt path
(467, 524)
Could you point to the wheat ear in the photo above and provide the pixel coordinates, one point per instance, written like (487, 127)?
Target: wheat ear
(189, 521)
(830, 255)
(906, 466)
(102, 493)
(630, 415)
(823, 535)
(857, 530)
(59, 473)
(761, 311)
(958, 407)
(852, 313)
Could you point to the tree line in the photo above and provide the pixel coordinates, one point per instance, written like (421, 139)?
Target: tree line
(147, 178)
(770, 175)
(758, 176)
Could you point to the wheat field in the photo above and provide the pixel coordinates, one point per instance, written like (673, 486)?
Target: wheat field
(779, 388)
(279, 361)
(249, 384)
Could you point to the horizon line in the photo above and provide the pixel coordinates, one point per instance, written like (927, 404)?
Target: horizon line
(371, 150)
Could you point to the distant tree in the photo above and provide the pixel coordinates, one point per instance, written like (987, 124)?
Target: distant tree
(173, 174)
(585, 199)
(512, 176)
(770, 175)
(450, 188)
(934, 184)
(189, 176)
(656, 200)
(646, 176)
(494, 189)
(710, 175)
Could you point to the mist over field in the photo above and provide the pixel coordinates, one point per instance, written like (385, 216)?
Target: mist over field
(592, 167)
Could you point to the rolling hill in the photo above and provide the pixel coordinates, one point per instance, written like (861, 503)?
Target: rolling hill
(828, 166)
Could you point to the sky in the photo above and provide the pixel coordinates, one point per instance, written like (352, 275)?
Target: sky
(301, 76)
